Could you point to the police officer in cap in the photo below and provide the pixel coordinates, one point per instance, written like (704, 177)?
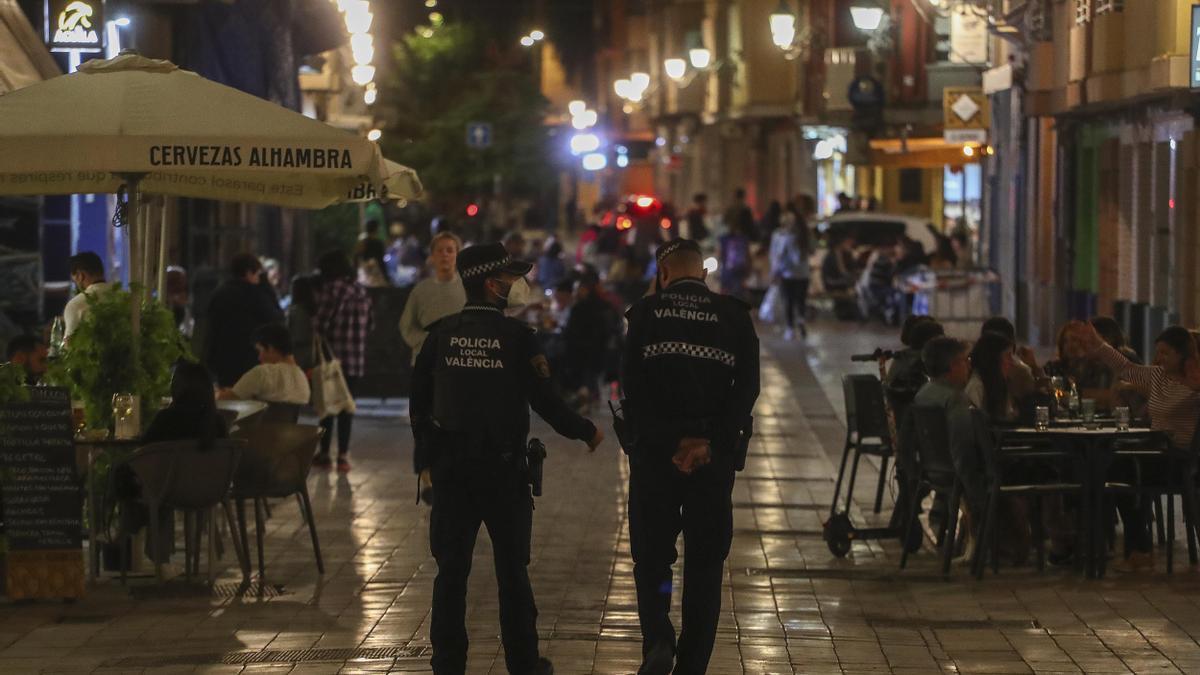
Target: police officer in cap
(474, 381)
(690, 378)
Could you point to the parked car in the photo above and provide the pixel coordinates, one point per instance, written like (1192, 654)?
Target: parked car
(870, 228)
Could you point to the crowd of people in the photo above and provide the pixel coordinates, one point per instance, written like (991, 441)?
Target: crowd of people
(999, 380)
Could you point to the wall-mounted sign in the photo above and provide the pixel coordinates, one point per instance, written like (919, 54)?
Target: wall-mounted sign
(966, 114)
(75, 25)
(1195, 62)
(968, 38)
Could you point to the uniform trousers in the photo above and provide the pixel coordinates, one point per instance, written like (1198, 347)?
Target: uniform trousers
(494, 493)
(662, 503)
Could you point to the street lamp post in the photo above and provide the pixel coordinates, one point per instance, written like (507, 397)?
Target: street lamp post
(789, 33)
(783, 26)
(867, 17)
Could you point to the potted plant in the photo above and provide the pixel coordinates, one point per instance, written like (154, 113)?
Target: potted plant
(12, 384)
(97, 360)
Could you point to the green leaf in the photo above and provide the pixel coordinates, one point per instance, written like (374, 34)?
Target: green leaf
(98, 360)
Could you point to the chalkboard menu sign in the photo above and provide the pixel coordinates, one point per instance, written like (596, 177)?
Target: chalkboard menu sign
(42, 502)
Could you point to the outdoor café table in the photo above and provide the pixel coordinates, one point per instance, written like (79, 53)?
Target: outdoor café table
(1096, 446)
(94, 447)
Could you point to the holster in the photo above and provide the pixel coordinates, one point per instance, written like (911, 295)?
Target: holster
(623, 427)
(535, 460)
(743, 442)
(423, 443)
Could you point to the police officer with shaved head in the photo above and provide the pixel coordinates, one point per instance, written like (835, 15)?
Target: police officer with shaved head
(690, 379)
(475, 379)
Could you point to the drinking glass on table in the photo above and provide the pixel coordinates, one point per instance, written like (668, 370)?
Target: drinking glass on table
(1122, 416)
(124, 422)
(1088, 412)
(78, 417)
(1041, 420)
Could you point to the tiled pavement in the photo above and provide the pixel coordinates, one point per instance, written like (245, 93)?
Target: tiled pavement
(789, 605)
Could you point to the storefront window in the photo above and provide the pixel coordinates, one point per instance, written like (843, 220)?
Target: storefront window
(962, 189)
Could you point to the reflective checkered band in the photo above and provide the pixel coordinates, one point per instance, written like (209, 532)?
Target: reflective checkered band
(686, 349)
(482, 308)
(673, 246)
(485, 268)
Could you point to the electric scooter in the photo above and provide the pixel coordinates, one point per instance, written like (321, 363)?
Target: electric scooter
(839, 531)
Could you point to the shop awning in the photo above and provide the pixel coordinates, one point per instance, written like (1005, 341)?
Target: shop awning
(920, 153)
(24, 59)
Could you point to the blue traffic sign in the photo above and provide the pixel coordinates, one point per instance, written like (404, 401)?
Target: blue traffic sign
(479, 135)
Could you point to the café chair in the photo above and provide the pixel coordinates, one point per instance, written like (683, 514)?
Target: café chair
(181, 476)
(281, 413)
(1180, 468)
(1008, 468)
(935, 469)
(867, 433)
(275, 465)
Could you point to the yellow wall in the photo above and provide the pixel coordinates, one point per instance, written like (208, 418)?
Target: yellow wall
(929, 207)
(764, 77)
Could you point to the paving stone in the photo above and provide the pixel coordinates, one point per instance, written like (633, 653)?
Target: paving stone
(789, 605)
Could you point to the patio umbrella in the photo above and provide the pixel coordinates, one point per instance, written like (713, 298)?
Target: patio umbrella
(162, 130)
(175, 133)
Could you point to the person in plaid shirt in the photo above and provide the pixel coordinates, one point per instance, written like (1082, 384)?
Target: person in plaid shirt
(343, 320)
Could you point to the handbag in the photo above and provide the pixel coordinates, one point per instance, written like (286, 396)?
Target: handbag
(330, 392)
(771, 309)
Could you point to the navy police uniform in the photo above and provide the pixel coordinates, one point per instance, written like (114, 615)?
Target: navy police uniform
(691, 370)
(474, 381)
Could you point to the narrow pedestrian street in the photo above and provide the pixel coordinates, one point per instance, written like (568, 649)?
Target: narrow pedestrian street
(789, 605)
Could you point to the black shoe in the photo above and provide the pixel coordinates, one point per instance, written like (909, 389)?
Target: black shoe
(543, 667)
(659, 661)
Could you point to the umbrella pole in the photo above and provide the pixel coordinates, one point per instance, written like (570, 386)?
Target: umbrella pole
(149, 247)
(162, 252)
(136, 272)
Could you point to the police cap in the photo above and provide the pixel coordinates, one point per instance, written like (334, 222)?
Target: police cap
(486, 260)
(675, 246)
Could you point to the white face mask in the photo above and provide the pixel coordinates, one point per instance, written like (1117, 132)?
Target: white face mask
(519, 294)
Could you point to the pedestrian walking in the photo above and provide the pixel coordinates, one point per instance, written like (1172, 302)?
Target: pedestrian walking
(550, 266)
(771, 221)
(590, 327)
(790, 268)
(238, 307)
(476, 377)
(734, 247)
(302, 318)
(697, 228)
(434, 298)
(739, 216)
(343, 322)
(690, 378)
